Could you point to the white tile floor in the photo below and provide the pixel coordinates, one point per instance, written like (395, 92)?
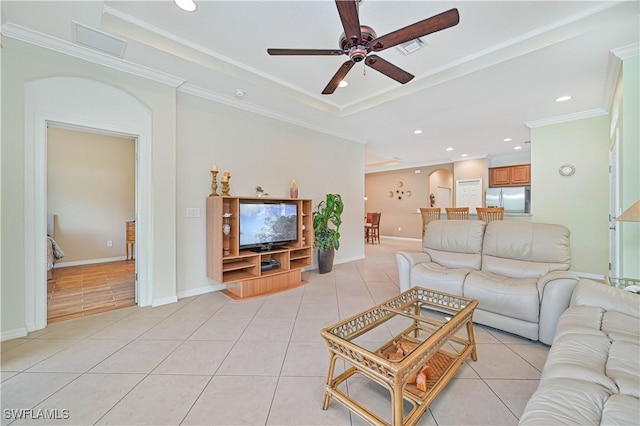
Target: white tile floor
(207, 360)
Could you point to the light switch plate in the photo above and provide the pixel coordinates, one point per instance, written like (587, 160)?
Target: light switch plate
(193, 211)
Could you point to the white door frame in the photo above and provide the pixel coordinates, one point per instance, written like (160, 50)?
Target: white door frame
(90, 104)
(614, 206)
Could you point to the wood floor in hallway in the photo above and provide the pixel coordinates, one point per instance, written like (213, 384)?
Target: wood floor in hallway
(77, 291)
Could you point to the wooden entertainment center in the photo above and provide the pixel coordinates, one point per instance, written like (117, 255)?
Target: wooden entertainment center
(240, 269)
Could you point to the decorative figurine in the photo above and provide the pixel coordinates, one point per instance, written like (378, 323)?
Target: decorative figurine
(225, 183)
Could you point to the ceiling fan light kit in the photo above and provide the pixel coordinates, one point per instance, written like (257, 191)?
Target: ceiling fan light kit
(358, 41)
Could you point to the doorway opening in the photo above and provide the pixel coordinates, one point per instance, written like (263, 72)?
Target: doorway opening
(91, 204)
(72, 101)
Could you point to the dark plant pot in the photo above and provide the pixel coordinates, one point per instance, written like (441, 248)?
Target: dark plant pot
(325, 260)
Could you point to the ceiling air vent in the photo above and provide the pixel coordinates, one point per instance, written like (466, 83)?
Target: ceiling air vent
(98, 40)
(411, 46)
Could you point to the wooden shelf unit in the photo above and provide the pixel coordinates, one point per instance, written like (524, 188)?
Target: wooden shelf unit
(240, 269)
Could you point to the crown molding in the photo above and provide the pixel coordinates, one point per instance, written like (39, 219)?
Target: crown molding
(596, 112)
(232, 102)
(36, 38)
(150, 35)
(26, 35)
(628, 51)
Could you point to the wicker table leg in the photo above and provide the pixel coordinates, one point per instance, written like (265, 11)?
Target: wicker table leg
(329, 382)
(397, 404)
(472, 340)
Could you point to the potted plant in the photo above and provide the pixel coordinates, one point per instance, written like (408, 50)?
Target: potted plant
(326, 230)
(261, 192)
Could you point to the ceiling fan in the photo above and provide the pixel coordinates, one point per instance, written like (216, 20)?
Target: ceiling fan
(358, 41)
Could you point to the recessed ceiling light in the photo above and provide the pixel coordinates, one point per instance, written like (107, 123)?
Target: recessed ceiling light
(507, 140)
(187, 5)
(417, 132)
(517, 147)
(464, 155)
(343, 83)
(239, 93)
(449, 149)
(563, 98)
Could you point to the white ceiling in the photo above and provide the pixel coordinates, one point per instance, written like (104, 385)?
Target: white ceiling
(475, 84)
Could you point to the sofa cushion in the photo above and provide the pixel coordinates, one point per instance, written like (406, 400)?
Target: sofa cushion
(515, 298)
(623, 367)
(621, 327)
(455, 243)
(580, 357)
(567, 402)
(621, 410)
(525, 250)
(436, 277)
(591, 293)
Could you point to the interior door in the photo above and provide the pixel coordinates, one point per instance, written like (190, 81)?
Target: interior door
(443, 197)
(469, 193)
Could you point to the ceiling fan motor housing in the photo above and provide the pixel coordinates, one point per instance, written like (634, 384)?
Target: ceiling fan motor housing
(358, 51)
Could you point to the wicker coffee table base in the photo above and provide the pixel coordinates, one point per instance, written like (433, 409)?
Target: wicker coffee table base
(396, 376)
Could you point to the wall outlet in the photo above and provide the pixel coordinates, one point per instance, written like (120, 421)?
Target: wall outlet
(109, 243)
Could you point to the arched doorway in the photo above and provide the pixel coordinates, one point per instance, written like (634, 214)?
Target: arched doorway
(84, 103)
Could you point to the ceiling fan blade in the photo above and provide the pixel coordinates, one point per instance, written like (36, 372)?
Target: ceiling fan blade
(338, 77)
(348, 11)
(388, 69)
(436, 23)
(331, 52)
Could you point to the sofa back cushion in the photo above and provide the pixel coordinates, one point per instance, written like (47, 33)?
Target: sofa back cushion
(591, 293)
(455, 243)
(525, 249)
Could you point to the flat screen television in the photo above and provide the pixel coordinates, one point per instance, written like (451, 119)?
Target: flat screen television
(264, 224)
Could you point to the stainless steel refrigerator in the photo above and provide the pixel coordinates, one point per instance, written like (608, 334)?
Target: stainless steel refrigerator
(515, 199)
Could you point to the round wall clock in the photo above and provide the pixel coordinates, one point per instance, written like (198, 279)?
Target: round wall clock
(567, 170)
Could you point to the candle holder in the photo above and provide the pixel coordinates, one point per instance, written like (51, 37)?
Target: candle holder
(214, 183)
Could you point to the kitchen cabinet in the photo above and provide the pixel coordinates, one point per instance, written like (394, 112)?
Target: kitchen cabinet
(519, 175)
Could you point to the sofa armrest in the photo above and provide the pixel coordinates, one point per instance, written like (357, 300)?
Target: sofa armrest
(554, 290)
(406, 261)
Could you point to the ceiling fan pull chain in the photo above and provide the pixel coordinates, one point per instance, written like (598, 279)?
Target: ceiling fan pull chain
(364, 69)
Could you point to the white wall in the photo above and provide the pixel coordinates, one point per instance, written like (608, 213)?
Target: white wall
(630, 152)
(91, 190)
(189, 134)
(581, 201)
(257, 151)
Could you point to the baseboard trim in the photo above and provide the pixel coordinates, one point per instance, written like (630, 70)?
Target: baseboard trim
(164, 301)
(90, 261)
(200, 290)
(400, 238)
(13, 334)
(589, 275)
(347, 259)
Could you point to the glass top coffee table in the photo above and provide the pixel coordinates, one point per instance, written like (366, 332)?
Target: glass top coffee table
(432, 337)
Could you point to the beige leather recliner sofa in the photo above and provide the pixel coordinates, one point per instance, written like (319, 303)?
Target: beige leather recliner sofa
(592, 372)
(518, 271)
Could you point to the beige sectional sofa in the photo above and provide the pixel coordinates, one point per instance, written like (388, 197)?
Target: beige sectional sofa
(518, 271)
(592, 372)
